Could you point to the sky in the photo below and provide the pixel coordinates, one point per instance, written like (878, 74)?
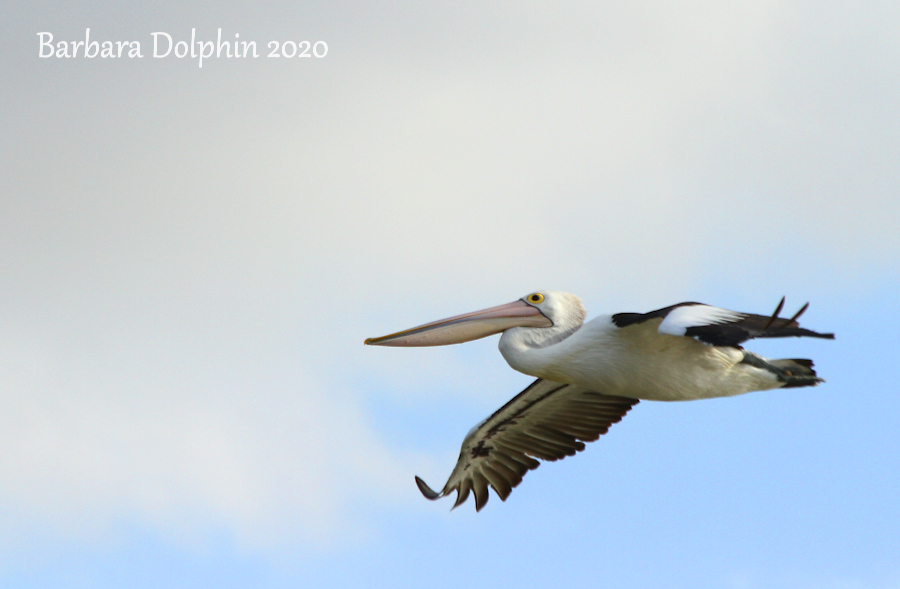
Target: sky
(191, 258)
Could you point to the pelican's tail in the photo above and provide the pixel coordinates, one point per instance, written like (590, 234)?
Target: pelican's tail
(793, 372)
(796, 372)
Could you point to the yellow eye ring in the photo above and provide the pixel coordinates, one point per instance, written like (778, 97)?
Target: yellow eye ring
(535, 298)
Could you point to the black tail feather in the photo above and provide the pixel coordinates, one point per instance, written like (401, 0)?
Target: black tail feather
(793, 372)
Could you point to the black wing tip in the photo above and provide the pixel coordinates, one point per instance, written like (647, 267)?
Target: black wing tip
(427, 491)
(792, 322)
(775, 314)
(795, 332)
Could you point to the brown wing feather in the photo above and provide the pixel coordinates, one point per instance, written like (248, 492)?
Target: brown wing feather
(547, 421)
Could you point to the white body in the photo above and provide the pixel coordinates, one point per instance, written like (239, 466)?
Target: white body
(638, 362)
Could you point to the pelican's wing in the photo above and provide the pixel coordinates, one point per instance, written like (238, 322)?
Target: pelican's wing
(720, 327)
(548, 420)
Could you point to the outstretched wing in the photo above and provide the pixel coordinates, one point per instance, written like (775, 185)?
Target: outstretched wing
(720, 327)
(547, 421)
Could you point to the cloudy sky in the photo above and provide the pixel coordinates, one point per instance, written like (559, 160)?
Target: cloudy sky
(190, 259)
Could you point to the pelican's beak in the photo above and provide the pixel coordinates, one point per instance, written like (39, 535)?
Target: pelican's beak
(465, 328)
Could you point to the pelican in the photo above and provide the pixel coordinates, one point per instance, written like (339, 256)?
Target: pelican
(589, 375)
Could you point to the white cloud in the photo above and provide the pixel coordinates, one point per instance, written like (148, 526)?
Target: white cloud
(269, 463)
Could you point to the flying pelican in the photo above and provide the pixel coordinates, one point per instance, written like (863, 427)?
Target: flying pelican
(589, 375)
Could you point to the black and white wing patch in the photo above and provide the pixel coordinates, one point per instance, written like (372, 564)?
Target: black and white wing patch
(720, 327)
(547, 421)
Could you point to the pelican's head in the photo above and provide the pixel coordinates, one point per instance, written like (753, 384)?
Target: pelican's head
(563, 309)
(541, 309)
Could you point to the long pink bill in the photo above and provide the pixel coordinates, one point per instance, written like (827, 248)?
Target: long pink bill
(467, 327)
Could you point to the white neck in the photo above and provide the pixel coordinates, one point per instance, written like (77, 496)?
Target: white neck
(531, 349)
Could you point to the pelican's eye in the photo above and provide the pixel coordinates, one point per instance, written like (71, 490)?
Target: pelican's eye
(535, 298)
